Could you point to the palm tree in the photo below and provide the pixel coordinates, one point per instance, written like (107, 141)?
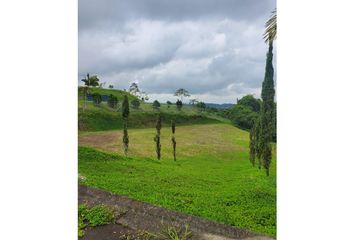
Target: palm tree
(270, 33)
(90, 81)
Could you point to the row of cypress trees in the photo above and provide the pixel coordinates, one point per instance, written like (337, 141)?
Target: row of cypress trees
(157, 139)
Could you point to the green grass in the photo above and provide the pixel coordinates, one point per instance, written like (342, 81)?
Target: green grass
(212, 177)
(102, 117)
(93, 216)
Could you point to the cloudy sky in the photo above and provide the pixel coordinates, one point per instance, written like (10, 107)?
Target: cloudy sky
(212, 48)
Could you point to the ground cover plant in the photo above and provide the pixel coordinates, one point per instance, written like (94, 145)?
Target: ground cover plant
(93, 216)
(212, 178)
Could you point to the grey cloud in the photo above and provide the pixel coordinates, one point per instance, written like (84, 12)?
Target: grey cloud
(213, 48)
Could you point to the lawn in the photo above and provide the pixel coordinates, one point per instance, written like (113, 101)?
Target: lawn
(212, 177)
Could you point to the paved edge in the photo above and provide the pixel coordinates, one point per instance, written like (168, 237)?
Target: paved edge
(145, 216)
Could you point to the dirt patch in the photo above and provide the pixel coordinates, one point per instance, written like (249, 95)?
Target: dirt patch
(137, 217)
(105, 141)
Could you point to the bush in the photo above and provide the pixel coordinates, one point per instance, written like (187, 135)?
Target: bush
(156, 104)
(97, 98)
(179, 104)
(250, 102)
(201, 106)
(243, 117)
(135, 103)
(112, 101)
(168, 104)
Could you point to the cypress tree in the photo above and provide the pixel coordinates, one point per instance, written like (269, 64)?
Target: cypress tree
(267, 111)
(157, 137)
(125, 115)
(257, 136)
(173, 139)
(252, 146)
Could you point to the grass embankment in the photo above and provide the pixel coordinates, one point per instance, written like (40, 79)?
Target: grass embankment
(100, 118)
(212, 177)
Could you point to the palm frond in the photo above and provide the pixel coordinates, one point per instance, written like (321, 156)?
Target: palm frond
(270, 33)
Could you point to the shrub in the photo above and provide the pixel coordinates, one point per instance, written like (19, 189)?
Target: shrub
(135, 103)
(97, 98)
(179, 104)
(157, 137)
(125, 115)
(168, 104)
(201, 106)
(250, 102)
(112, 101)
(173, 139)
(156, 104)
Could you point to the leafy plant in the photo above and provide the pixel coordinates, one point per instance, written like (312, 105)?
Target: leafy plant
(156, 104)
(135, 103)
(112, 101)
(174, 233)
(179, 104)
(94, 216)
(97, 99)
(125, 115)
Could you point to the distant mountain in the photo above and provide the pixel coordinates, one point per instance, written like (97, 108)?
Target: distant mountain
(220, 106)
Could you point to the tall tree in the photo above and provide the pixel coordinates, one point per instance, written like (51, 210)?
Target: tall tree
(173, 139)
(264, 129)
(89, 81)
(157, 138)
(267, 110)
(270, 33)
(125, 115)
(156, 104)
(181, 92)
(134, 89)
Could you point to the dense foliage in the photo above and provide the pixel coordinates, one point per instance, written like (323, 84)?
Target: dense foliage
(125, 115)
(135, 103)
(179, 104)
(112, 101)
(267, 111)
(156, 104)
(245, 113)
(97, 98)
(201, 106)
(157, 137)
(173, 139)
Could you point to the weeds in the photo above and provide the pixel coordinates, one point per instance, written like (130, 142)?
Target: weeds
(94, 216)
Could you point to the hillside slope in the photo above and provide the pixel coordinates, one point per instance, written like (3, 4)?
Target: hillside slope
(102, 117)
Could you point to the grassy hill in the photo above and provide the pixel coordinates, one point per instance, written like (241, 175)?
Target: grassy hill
(212, 177)
(99, 118)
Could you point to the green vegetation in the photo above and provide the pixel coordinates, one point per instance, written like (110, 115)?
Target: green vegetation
(112, 101)
(97, 99)
(173, 233)
(245, 113)
(93, 216)
(156, 104)
(157, 137)
(173, 138)
(212, 178)
(267, 112)
(179, 105)
(107, 117)
(125, 115)
(135, 103)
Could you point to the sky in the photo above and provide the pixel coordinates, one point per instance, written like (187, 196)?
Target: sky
(212, 48)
